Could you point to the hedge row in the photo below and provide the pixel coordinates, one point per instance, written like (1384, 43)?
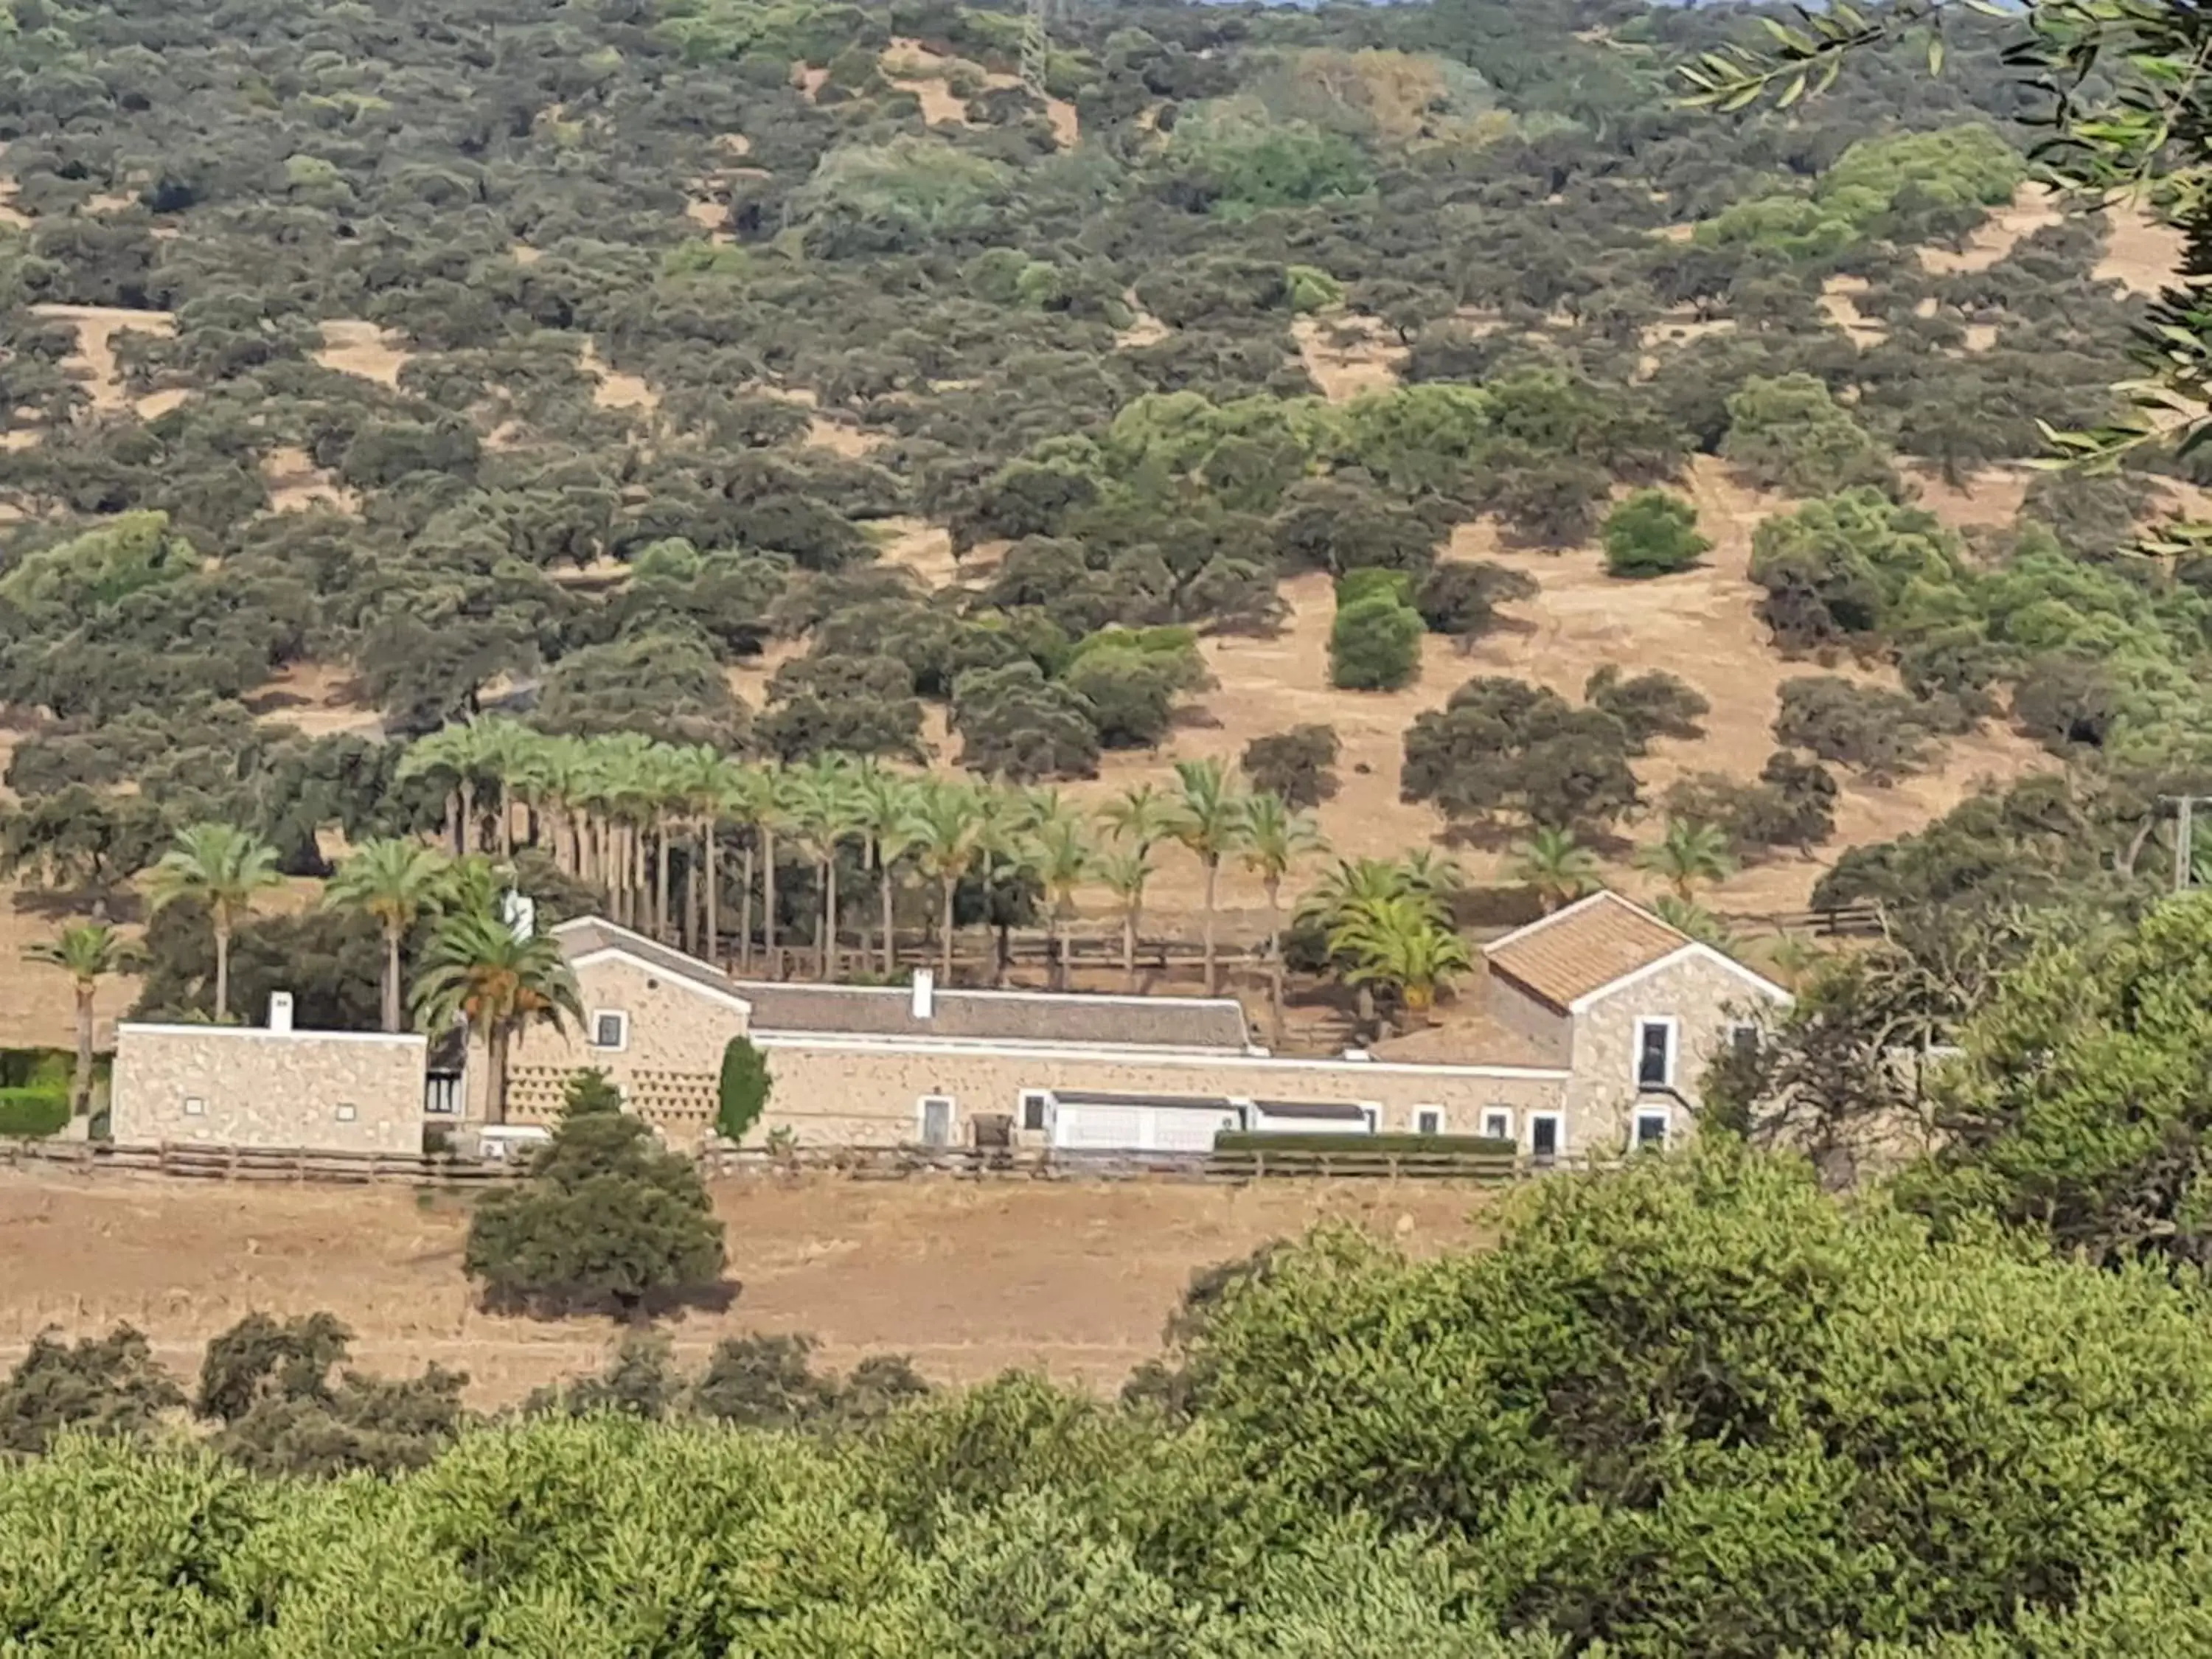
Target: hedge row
(33, 1112)
(1277, 1141)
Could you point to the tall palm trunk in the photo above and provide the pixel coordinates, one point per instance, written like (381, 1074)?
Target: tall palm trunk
(1056, 945)
(80, 1085)
(468, 815)
(829, 914)
(495, 1040)
(1274, 962)
(506, 825)
(640, 878)
(745, 916)
(767, 900)
(392, 938)
(453, 821)
(710, 856)
(1129, 943)
(890, 952)
(1212, 873)
(222, 966)
(944, 934)
(660, 879)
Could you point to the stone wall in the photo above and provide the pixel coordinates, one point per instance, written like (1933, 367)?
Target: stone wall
(831, 1093)
(668, 1066)
(248, 1086)
(1701, 996)
(1548, 1033)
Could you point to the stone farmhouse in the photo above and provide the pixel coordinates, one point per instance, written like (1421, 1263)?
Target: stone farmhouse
(1597, 1023)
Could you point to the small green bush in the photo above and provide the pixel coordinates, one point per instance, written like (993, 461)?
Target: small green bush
(1652, 534)
(1376, 645)
(33, 1112)
(1369, 580)
(742, 1095)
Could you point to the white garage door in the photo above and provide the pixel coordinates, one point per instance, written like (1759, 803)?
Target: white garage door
(1101, 1128)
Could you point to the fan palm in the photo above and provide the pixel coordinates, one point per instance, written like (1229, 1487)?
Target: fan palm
(1402, 944)
(1687, 854)
(479, 968)
(701, 777)
(87, 954)
(826, 804)
(1124, 871)
(1276, 838)
(1212, 819)
(224, 867)
(1559, 868)
(396, 881)
(942, 829)
(1064, 861)
(885, 816)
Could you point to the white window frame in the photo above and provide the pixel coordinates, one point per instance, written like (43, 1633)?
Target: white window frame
(1495, 1114)
(1041, 1099)
(1373, 1114)
(1558, 1122)
(1434, 1123)
(621, 1017)
(1672, 1027)
(921, 1103)
(345, 1113)
(1666, 1116)
(195, 1105)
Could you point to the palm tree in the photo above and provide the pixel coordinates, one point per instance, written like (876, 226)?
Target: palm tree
(1211, 817)
(479, 968)
(396, 881)
(1401, 943)
(702, 778)
(751, 804)
(1688, 916)
(825, 801)
(1140, 817)
(87, 954)
(1689, 853)
(224, 867)
(1276, 837)
(1559, 868)
(943, 828)
(1124, 872)
(885, 816)
(465, 756)
(1063, 860)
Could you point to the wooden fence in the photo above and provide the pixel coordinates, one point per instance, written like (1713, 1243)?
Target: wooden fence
(197, 1163)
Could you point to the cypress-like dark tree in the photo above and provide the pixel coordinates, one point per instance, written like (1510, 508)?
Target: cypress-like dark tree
(608, 1222)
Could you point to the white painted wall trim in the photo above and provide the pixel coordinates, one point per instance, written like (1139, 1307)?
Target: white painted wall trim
(1349, 1069)
(145, 1028)
(1694, 950)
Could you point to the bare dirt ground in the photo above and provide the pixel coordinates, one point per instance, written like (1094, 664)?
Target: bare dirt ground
(1839, 299)
(351, 346)
(295, 483)
(2033, 208)
(912, 66)
(94, 360)
(616, 389)
(1349, 355)
(2140, 255)
(1702, 625)
(970, 1279)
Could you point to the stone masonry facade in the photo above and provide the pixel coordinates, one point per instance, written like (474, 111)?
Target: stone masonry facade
(247, 1086)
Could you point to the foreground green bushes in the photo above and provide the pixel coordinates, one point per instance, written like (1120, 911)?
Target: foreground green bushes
(1695, 1408)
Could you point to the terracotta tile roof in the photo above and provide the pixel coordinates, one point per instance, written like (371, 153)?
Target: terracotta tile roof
(974, 1016)
(1583, 948)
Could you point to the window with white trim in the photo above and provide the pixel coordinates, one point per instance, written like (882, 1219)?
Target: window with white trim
(1428, 1119)
(609, 1029)
(1655, 1054)
(1497, 1123)
(1034, 1104)
(1652, 1126)
(1547, 1134)
(1373, 1117)
(345, 1113)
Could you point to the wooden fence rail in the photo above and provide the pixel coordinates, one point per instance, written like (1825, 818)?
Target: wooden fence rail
(257, 1164)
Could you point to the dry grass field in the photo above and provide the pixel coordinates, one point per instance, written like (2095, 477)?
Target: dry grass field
(969, 1279)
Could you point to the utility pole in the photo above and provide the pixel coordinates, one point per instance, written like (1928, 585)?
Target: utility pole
(1037, 44)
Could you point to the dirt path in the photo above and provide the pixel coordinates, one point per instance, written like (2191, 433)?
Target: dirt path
(351, 346)
(1072, 1279)
(1368, 360)
(94, 360)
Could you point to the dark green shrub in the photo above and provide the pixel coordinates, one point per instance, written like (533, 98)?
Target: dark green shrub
(1376, 645)
(742, 1094)
(1298, 764)
(1369, 580)
(33, 1112)
(1652, 533)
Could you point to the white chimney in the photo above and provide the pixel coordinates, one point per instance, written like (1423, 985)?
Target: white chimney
(925, 993)
(280, 1011)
